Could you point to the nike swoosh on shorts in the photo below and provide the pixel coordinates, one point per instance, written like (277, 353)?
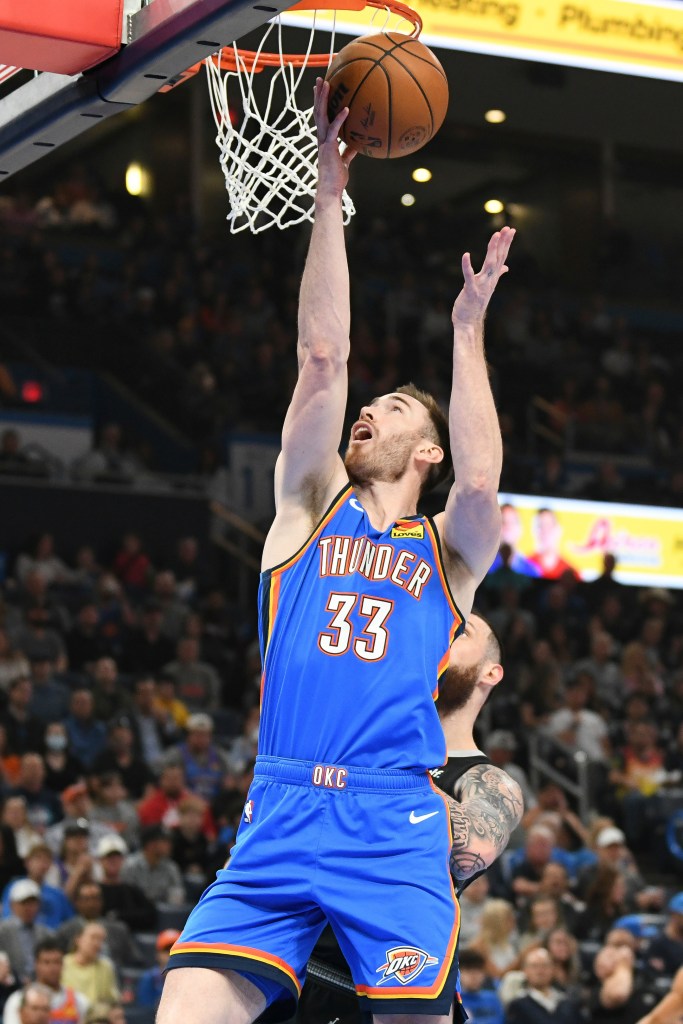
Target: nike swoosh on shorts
(415, 819)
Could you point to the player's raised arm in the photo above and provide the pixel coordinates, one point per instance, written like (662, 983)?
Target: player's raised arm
(487, 808)
(310, 464)
(471, 523)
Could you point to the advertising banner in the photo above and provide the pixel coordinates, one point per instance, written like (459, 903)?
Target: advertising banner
(549, 536)
(606, 35)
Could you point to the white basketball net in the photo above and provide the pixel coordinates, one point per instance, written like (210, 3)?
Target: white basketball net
(269, 158)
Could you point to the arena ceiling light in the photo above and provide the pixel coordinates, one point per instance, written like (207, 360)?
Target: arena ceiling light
(494, 206)
(495, 116)
(407, 199)
(421, 174)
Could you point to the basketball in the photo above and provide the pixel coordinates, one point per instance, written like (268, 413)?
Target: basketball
(396, 92)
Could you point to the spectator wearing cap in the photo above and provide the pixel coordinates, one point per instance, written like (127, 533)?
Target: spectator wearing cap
(67, 1005)
(120, 756)
(152, 869)
(205, 764)
(148, 647)
(89, 903)
(665, 952)
(161, 805)
(55, 908)
(62, 769)
(20, 933)
(43, 807)
(110, 696)
(611, 850)
(113, 808)
(78, 809)
(151, 982)
(50, 700)
(542, 1002)
(87, 735)
(198, 684)
(87, 970)
(152, 729)
(24, 732)
(122, 900)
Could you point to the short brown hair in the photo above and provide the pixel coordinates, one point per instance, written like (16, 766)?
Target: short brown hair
(441, 435)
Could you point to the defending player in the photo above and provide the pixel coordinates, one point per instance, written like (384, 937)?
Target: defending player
(488, 804)
(357, 615)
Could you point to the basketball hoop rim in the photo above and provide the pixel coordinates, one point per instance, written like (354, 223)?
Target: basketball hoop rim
(232, 58)
(257, 61)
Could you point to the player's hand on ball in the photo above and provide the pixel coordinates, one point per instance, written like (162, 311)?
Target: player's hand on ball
(470, 305)
(333, 164)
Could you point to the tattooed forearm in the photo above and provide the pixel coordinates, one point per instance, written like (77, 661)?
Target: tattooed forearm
(488, 807)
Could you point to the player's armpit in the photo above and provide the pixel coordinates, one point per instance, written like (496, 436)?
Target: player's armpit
(489, 806)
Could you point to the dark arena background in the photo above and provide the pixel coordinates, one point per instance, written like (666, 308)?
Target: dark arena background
(147, 357)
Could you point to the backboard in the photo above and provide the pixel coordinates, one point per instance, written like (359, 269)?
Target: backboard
(41, 111)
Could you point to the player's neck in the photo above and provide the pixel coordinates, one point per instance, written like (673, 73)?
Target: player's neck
(458, 728)
(385, 502)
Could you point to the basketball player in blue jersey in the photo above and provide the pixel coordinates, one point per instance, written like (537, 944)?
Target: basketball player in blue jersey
(357, 615)
(486, 804)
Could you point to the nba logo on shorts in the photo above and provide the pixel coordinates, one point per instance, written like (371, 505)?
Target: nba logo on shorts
(404, 963)
(249, 811)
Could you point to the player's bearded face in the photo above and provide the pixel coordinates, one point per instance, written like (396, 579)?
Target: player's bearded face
(383, 458)
(457, 685)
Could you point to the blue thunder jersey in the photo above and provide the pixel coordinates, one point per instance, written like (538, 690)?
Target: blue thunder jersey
(355, 631)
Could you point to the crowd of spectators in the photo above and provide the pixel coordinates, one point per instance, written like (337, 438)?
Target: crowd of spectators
(128, 729)
(203, 328)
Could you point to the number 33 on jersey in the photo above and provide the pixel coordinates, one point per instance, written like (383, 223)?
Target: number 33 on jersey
(360, 620)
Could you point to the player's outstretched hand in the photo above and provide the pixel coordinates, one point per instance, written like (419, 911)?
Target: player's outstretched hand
(333, 164)
(470, 305)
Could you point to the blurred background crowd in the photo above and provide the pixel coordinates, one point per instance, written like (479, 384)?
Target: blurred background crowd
(201, 326)
(129, 669)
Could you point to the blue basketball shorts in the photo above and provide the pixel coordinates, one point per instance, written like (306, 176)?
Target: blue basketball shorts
(367, 851)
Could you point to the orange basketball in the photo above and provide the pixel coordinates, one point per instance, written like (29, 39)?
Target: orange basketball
(396, 92)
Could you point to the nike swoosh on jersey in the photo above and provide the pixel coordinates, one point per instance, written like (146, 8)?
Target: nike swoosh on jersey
(415, 819)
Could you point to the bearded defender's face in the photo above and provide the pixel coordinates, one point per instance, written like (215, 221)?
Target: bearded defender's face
(467, 662)
(383, 440)
(456, 687)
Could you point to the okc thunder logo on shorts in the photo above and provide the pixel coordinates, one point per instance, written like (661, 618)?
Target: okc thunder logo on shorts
(405, 963)
(249, 810)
